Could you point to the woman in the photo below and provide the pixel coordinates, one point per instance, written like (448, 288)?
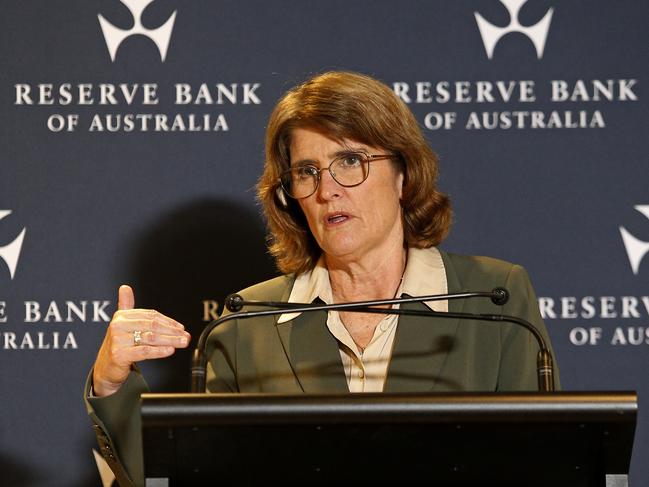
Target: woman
(349, 191)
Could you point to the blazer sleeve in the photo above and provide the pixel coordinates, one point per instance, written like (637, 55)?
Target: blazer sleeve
(116, 418)
(519, 348)
(116, 421)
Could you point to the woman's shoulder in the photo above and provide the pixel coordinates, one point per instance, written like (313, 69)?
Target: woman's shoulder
(276, 289)
(480, 267)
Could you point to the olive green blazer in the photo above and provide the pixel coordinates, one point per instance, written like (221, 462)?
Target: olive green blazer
(301, 356)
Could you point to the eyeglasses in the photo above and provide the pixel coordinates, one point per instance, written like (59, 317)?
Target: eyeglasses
(348, 169)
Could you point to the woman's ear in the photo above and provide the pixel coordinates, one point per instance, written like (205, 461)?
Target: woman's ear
(280, 195)
(401, 181)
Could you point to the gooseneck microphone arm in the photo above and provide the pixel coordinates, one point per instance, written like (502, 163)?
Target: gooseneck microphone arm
(235, 303)
(545, 370)
(499, 296)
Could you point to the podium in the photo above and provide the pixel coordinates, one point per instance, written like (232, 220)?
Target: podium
(478, 439)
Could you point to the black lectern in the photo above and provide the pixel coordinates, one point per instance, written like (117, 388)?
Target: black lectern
(521, 439)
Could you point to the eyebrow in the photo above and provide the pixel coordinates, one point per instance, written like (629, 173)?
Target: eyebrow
(338, 153)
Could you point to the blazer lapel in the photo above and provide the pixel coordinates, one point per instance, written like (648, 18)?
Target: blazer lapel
(422, 345)
(313, 353)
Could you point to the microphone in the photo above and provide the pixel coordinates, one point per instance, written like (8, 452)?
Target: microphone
(234, 303)
(499, 296)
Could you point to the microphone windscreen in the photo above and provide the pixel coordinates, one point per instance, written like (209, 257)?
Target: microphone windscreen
(500, 296)
(234, 303)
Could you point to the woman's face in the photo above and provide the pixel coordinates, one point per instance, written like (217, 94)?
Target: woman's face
(352, 223)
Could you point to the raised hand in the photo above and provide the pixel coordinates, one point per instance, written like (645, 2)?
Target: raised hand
(133, 335)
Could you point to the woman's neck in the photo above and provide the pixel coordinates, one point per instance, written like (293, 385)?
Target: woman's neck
(375, 277)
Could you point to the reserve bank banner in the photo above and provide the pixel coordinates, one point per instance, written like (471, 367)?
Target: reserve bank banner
(131, 138)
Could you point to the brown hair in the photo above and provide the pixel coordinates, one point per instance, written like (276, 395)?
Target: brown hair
(347, 105)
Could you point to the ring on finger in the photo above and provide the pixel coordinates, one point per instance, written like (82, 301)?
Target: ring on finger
(137, 337)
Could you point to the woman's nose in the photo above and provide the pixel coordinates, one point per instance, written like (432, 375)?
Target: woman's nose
(328, 187)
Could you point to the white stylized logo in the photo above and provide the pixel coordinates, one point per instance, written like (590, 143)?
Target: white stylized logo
(115, 36)
(10, 253)
(491, 34)
(636, 249)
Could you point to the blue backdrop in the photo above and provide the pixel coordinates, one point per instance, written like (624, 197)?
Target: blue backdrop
(130, 145)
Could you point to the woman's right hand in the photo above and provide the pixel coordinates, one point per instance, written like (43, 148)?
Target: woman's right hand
(160, 336)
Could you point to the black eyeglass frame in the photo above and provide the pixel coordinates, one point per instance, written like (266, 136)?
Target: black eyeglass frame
(368, 158)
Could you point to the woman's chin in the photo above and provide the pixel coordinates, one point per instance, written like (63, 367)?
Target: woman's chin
(343, 251)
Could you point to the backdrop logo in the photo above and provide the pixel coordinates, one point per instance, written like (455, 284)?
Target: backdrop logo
(636, 249)
(11, 252)
(491, 34)
(115, 36)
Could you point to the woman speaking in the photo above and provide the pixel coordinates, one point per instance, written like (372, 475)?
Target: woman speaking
(349, 193)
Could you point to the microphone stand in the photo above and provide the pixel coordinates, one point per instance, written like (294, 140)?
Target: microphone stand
(545, 369)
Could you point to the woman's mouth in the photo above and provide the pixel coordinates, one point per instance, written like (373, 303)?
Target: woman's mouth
(336, 218)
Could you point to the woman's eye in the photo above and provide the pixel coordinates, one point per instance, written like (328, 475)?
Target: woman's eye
(351, 160)
(306, 172)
